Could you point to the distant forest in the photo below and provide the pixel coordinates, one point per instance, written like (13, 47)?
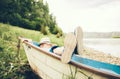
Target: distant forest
(30, 14)
(102, 34)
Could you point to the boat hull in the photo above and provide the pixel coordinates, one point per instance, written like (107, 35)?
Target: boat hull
(49, 66)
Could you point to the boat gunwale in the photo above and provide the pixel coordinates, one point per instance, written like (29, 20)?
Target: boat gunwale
(78, 65)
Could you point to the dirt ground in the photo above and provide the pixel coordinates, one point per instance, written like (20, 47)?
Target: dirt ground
(100, 56)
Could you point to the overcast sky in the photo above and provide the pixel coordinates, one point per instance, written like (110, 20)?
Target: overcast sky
(91, 15)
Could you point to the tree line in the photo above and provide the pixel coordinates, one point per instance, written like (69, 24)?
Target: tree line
(30, 14)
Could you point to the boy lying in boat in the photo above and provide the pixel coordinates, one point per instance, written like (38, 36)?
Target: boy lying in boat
(71, 42)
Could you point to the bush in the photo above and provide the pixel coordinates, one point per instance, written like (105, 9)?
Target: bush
(45, 30)
(28, 24)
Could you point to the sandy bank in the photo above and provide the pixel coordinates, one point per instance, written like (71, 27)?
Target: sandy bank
(100, 56)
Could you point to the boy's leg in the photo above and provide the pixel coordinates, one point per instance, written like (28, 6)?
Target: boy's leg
(79, 38)
(69, 46)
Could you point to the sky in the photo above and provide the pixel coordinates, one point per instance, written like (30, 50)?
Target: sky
(91, 15)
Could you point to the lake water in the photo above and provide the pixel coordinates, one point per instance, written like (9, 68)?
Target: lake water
(106, 45)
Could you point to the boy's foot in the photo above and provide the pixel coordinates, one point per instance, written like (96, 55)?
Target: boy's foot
(69, 46)
(79, 38)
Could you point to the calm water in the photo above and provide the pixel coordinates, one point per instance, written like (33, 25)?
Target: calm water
(109, 45)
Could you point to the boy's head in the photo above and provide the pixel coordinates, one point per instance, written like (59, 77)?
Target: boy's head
(45, 40)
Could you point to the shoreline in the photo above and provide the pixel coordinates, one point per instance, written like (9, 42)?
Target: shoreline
(100, 56)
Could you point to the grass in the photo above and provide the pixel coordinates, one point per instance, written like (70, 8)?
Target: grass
(36, 35)
(11, 66)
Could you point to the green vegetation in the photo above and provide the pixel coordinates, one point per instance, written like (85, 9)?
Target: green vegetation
(12, 64)
(116, 37)
(30, 14)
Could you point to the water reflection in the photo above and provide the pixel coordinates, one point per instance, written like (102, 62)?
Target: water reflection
(107, 45)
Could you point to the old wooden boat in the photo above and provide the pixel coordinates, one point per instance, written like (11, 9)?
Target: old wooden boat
(49, 66)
